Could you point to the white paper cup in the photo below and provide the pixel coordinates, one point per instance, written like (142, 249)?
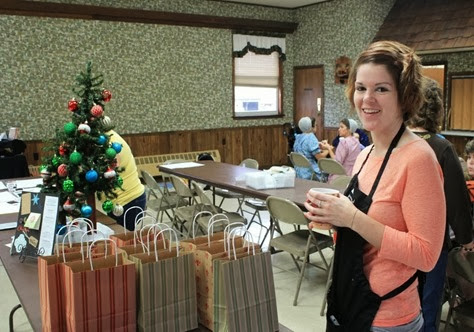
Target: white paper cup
(326, 191)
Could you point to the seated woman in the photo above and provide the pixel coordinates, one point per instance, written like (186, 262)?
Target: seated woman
(359, 133)
(349, 146)
(307, 144)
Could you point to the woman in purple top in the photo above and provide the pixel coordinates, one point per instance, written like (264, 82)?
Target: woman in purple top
(348, 148)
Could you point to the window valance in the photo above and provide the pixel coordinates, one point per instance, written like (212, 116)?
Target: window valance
(258, 45)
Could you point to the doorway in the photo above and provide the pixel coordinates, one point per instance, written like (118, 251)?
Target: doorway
(308, 95)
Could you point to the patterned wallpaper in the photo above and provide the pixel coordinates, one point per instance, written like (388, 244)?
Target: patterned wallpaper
(166, 78)
(333, 29)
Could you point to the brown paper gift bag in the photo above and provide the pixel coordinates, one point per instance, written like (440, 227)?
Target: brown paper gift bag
(166, 290)
(141, 246)
(244, 292)
(51, 289)
(51, 285)
(128, 237)
(101, 294)
(204, 255)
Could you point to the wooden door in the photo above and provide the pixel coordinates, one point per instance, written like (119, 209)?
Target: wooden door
(309, 95)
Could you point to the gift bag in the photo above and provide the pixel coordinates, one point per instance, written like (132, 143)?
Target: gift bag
(51, 283)
(204, 256)
(51, 290)
(128, 237)
(140, 246)
(218, 218)
(244, 293)
(166, 289)
(100, 293)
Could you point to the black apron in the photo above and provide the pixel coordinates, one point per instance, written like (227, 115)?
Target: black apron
(352, 305)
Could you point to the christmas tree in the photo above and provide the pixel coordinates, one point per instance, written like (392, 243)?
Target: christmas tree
(80, 161)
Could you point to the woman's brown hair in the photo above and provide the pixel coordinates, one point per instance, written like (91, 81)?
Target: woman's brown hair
(403, 65)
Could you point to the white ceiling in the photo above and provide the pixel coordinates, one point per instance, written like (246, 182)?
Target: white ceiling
(279, 3)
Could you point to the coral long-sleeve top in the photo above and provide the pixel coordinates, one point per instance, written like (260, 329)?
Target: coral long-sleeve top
(410, 201)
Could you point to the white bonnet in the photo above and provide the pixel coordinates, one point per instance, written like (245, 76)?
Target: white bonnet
(305, 124)
(353, 125)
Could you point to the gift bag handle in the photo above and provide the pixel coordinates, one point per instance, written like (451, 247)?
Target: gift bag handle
(175, 236)
(213, 220)
(152, 226)
(82, 220)
(125, 216)
(140, 218)
(64, 239)
(245, 231)
(227, 231)
(89, 251)
(193, 234)
(92, 232)
(59, 231)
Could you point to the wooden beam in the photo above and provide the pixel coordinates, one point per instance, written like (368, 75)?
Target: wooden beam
(88, 12)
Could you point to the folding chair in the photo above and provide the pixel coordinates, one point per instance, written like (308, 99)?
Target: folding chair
(158, 200)
(299, 243)
(206, 205)
(461, 308)
(299, 160)
(187, 205)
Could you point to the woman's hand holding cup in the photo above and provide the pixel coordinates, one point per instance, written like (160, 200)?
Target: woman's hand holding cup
(318, 200)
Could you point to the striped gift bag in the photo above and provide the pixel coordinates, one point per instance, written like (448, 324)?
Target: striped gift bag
(166, 291)
(244, 294)
(51, 289)
(100, 294)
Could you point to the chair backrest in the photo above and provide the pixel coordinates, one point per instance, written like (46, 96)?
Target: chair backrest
(340, 182)
(203, 197)
(249, 163)
(299, 160)
(181, 188)
(150, 182)
(285, 211)
(331, 166)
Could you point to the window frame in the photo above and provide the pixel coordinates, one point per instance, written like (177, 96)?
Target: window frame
(279, 96)
(448, 121)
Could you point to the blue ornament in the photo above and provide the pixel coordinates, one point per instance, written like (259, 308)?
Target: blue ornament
(92, 176)
(86, 211)
(117, 147)
(101, 140)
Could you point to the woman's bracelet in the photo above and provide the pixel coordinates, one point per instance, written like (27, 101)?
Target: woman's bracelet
(353, 217)
(466, 249)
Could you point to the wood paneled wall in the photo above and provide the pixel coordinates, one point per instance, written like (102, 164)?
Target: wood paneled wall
(267, 144)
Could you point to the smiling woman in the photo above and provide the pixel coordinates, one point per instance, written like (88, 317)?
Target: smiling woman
(384, 239)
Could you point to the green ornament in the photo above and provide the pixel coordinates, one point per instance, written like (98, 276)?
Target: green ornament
(70, 128)
(43, 168)
(68, 186)
(119, 182)
(108, 206)
(110, 153)
(56, 161)
(75, 157)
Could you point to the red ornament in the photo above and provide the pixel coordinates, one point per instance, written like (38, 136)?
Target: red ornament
(62, 150)
(72, 105)
(62, 170)
(106, 95)
(97, 111)
(110, 174)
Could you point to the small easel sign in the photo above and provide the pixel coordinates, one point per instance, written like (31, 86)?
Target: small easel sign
(36, 225)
